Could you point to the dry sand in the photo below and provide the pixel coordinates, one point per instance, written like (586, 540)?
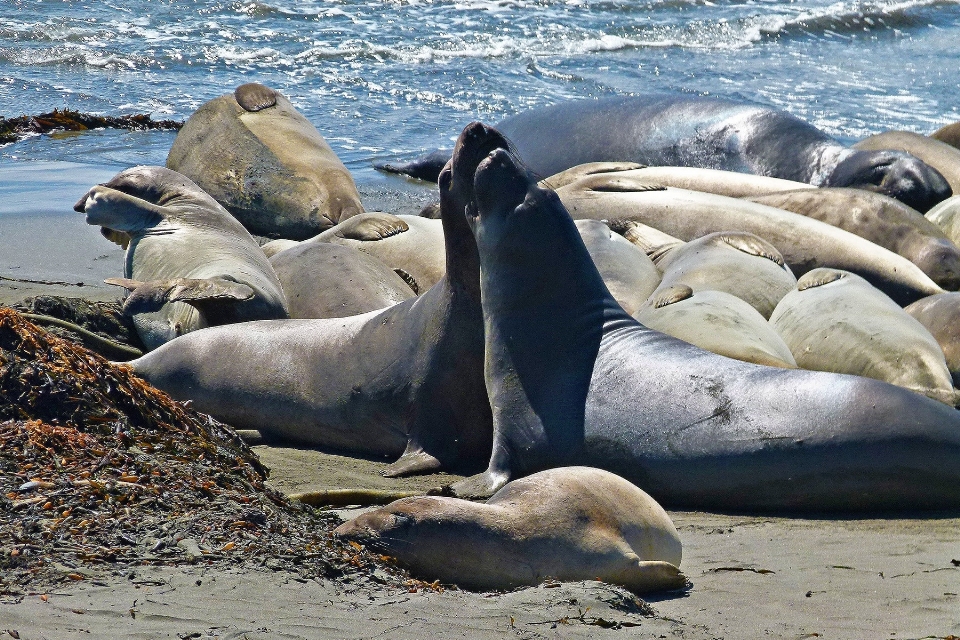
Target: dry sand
(752, 576)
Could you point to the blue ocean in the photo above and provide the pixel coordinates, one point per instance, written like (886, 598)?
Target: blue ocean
(384, 79)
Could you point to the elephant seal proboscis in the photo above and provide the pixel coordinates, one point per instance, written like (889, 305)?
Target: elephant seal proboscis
(882, 220)
(405, 380)
(946, 216)
(716, 321)
(189, 263)
(261, 159)
(804, 243)
(410, 244)
(940, 314)
(628, 273)
(836, 321)
(322, 280)
(573, 379)
(571, 523)
(939, 155)
(708, 133)
(738, 263)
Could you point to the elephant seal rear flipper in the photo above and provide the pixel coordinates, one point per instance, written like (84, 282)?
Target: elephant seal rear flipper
(426, 167)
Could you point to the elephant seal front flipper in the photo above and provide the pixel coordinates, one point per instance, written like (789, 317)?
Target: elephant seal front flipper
(212, 296)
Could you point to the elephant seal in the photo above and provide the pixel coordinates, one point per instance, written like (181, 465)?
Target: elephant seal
(735, 262)
(405, 381)
(410, 244)
(939, 314)
(256, 155)
(573, 379)
(189, 263)
(627, 271)
(709, 133)
(881, 220)
(716, 321)
(948, 134)
(946, 216)
(939, 155)
(804, 243)
(571, 523)
(836, 321)
(323, 280)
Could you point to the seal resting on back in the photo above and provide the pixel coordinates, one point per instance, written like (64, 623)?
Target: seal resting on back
(189, 263)
(405, 380)
(572, 523)
(710, 133)
(573, 379)
(262, 160)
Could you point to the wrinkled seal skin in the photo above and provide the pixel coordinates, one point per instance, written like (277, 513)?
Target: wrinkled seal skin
(882, 220)
(406, 380)
(940, 314)
(182, 245)
(573, 379)
(709, 133)
(835, 321)
(262, 160)
(572, 523)
(323, 280)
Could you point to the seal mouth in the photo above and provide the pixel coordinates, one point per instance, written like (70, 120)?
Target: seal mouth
(500, 183)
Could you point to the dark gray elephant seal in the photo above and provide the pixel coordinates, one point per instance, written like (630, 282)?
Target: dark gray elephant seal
(836, 321)
(322, 280)
(940, 314)
(882, 220)
(573, 379)
(261, 159)
(189, 263)
(939, 155)
(405, 381)
(572, 523)
(710, 133)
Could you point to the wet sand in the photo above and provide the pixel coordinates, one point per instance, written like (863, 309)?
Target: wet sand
(752, 576)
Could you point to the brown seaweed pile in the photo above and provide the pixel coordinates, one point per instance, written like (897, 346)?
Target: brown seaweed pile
(12, 129)
(101, 472)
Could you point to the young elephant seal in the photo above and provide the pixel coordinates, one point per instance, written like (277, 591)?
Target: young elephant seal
(261, 159)
(573, 379)
(571, 523)
(189, 263)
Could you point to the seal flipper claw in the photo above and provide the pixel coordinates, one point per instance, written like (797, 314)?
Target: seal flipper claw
(370, 227)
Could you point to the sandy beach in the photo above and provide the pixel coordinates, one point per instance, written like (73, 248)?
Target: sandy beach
(752, 576)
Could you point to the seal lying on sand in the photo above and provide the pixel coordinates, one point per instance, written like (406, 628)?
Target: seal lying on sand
(940, 314)
(709, 133)
(189, 263)
(256, 155)
(572, 523)
(408, 379)
(573, 379)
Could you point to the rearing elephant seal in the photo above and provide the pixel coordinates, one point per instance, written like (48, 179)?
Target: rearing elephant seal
(189, 263)
(258, 157)
(573, 379)
(710, 133)
(572, 523)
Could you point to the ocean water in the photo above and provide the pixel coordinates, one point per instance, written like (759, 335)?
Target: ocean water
(384, 78)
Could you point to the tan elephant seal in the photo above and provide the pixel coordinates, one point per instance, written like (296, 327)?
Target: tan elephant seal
(948, 134)
(836, 321)
(571, 523)
(804, 243)
(939, 155)
(716, 321)
(189, 263)
(627, 271)
(883, 220)
(940, 314)
(256, 155)
(946, 216)
(735, 262)
(322, 280)
(411, 245)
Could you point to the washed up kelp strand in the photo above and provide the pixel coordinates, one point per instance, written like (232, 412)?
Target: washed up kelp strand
(101, 472)
(12, 129)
